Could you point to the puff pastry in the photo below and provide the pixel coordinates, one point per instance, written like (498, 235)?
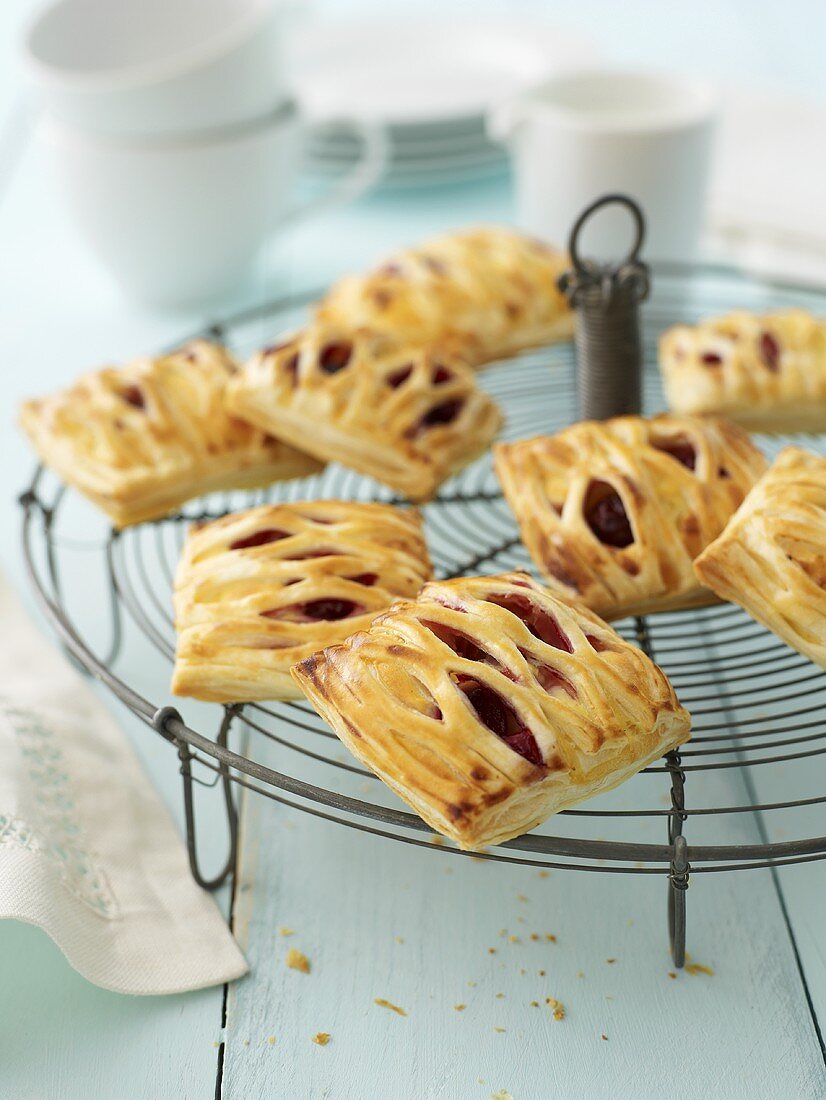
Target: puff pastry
(766, 372)
(259, 590)
(614, 513)
(140, 440)
(486, 293)
(406, 416)
(771, 558)
(489, 704)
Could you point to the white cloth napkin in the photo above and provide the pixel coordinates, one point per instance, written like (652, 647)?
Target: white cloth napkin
(766, 205)
(88, 852)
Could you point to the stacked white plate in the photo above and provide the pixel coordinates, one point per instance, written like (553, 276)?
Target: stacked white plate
(427, 82)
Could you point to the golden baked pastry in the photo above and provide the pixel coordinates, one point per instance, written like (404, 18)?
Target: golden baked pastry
(489, 704)
(767, 372)
(485, 293)
(259, 590)
(406, 416)
(140, 440)
(771, 558)
(614, 513)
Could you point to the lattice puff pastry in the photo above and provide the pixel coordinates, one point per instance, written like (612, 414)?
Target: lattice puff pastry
(139, 440)
(489, 704)
(771, 558)
(406, 416)
(768, 373)
(614, 513)
(486, 293)
(257, 591)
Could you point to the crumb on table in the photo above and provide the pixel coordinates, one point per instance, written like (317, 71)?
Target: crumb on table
(382, 1003)
(297, 960)
(321, 1038)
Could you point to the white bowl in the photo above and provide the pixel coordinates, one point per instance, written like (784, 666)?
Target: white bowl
(151, 67)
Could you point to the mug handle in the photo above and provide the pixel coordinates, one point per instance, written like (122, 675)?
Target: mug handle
(351, 184)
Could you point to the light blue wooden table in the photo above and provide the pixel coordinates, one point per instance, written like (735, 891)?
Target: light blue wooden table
(381, 920)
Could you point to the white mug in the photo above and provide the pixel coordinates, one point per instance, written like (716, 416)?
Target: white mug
(581, 135)
(151, 67)
(179, 221)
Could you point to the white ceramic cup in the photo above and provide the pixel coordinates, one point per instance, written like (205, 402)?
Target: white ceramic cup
(581, 135)
(180, 222)
(150, 67)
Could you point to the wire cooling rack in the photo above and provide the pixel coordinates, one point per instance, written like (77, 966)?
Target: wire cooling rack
(757, 706)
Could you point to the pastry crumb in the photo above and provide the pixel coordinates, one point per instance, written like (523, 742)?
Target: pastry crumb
(522, 970)
(472, 984)
(460, 1008)
(284, 931)
(513, 939)
(521, 897)
(698, 968)
(499, 996)
(382, 1003)
(399, 939)
(491, 950)
(321, 1038)
(672, 974)
(246, 1042)
(580, 973)
(604, 1036)
(501, 1095)
(297, 960)
(503, 931)
(500, 1030)
(437, 840)
(534, 1004)
(557, 1007)
(543, 874)
(215, 1043)
(534, 936)
(610, 961)
(271, 1040)
(550, 937)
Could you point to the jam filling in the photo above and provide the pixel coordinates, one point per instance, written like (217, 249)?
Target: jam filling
(441, 375)
(399, 377)
(308, 555)
(259, 538)
(680, 449)
(596, 643)
(606, 516)
(335, 357)
(323, 610)
(548, 678)
(133, 396)
(770, 352)
(500, 718)
(445, 413)
(291, 367)
(367, 579)
(711, 359)
(540, 623)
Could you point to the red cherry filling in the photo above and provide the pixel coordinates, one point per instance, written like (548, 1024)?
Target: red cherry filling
(711, 359)
(461, 644)
(441, 375)
(596, 643)
(291, 367)
(445, 413)
(259, 538)
(723, 473)
(323, 610)
(398, 377)
(133, 396)
(501, 719)
(540, 623)
(367, 579)
(548, 678)
(335, 357)
(770, 351)
(322, 552)
(606, 516)
(680, 449)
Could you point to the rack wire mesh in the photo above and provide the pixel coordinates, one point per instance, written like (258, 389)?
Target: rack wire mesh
(759, 739)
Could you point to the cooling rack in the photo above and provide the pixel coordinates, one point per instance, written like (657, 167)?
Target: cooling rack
(757, 706)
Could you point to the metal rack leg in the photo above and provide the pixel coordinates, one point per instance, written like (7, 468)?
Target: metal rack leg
(185, 757)
(679, 873)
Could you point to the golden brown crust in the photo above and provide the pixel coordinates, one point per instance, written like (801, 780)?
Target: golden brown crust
(577, 713)
(771, 558)
(766, 372)
(259, 590)
(636, 469)
(140, 440)
(484, 293)
(407, 416)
